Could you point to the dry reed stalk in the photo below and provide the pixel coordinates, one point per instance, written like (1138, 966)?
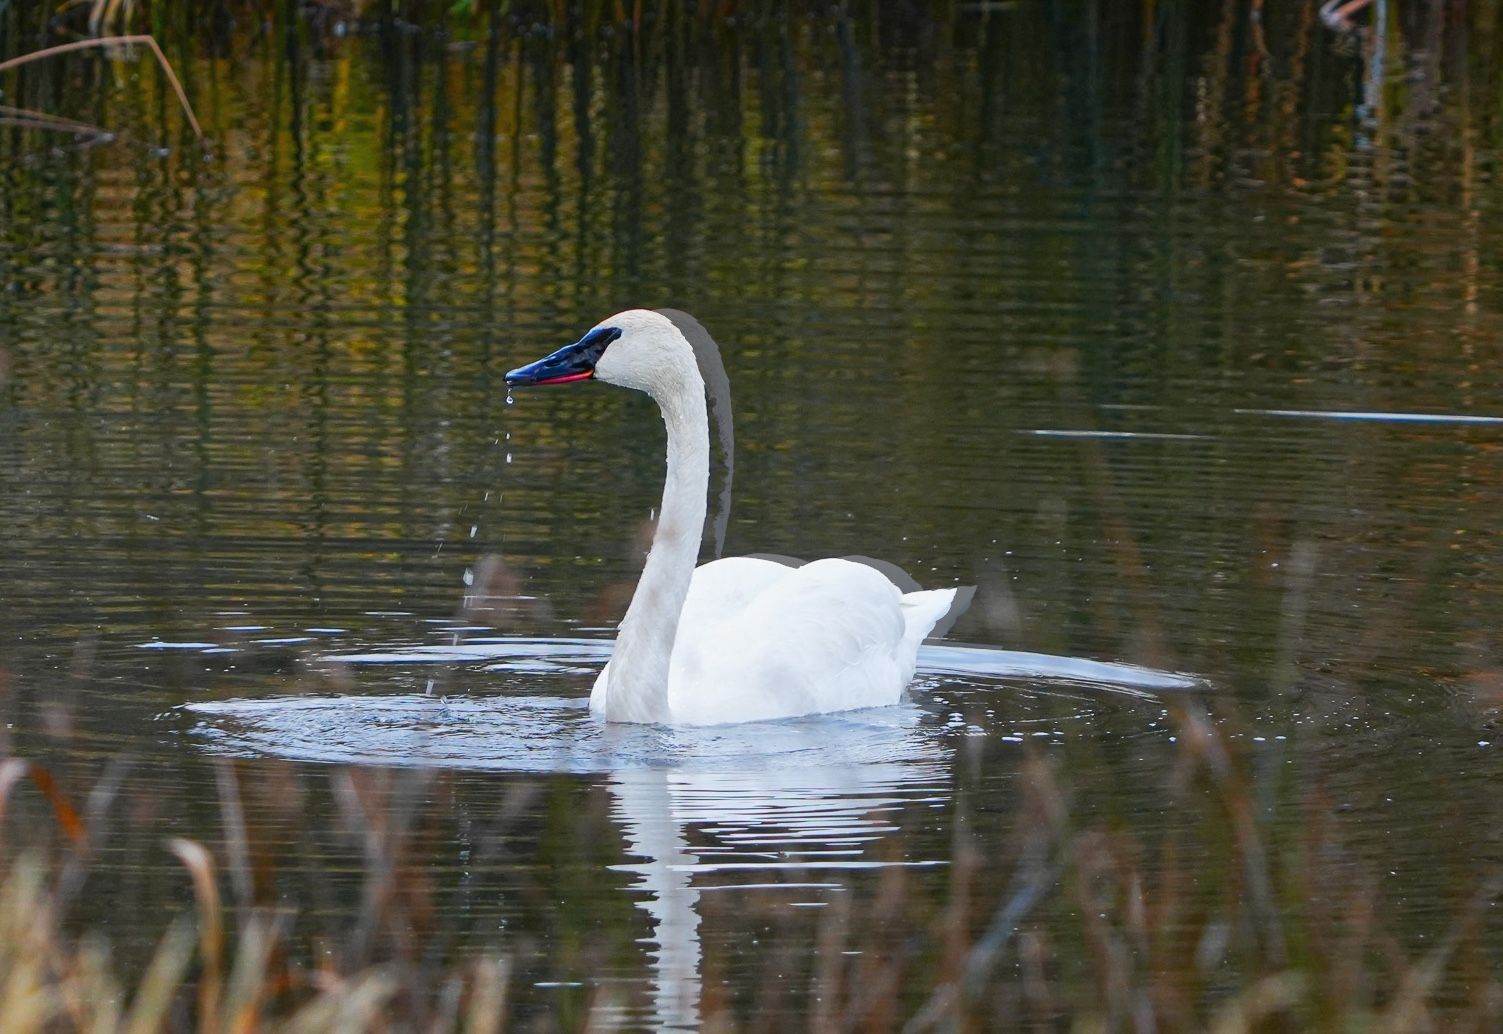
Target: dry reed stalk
(28, 119)
(487, 1011)
(164, 975)
(237, 843)
(103, 12)
(1408, 1009)
(1337, 14)
(200, 865)
(1272, 996)
(138, 40)
(1045, 857)
(12, 771)
(356, 1005)
(1199, 734)
(26, 999)
(252, 983)
(62, 810)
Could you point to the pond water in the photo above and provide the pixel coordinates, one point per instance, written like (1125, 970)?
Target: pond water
(1175, 333)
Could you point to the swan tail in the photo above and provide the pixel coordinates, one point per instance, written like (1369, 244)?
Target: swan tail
(929, 613)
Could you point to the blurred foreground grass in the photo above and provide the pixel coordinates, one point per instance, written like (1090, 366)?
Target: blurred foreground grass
(1220, 923)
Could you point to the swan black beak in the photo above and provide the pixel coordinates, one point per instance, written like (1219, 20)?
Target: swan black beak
(574, 362)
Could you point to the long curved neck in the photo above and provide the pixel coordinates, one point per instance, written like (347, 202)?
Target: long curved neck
(644, 648)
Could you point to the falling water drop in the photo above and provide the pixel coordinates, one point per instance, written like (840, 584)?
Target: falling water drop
(509, 399)
(508, 457)
(473, 528)
(469, 576)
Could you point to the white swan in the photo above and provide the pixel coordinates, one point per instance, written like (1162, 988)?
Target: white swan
(739, 639)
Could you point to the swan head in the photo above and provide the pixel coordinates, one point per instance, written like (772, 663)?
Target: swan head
(634, 349)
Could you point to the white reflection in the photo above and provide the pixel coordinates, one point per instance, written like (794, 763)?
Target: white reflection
(786, 806)
(791, 830)
(773, 806)
(644, 807)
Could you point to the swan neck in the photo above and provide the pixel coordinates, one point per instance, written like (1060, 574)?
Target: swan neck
(644, 648)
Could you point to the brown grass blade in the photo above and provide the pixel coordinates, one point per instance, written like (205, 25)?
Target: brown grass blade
(487, 997)
(200, 865)
(41, 120)
(251, 983)
(1250, 1010)
(67, 816)
(12, 771)
(141, 40)
(106, 12)
(148, 1012)
(354, 1006)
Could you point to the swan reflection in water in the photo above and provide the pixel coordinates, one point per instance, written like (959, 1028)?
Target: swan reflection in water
(793, 830)
(787, 805)
(791, 804)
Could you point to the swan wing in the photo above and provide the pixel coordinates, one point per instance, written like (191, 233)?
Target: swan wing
(723, 588)
(922, 612)
(769, 641)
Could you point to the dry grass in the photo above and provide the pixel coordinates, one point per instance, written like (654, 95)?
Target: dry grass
(50, 983)
(1083, 927)
(1087, 927)
(118, 44)
(200, 978)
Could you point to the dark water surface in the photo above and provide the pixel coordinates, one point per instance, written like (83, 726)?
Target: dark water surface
(1178, 337)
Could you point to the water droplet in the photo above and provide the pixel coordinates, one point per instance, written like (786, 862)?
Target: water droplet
(509, 399)
(508, 457)
(469, 576)
(473, 528)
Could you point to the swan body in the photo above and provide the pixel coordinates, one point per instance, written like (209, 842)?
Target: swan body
(739, 639)
(759, 640)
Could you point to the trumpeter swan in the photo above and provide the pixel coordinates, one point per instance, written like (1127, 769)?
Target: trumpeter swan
(739, 639)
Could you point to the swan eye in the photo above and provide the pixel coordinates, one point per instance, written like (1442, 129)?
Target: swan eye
(595, 341)
(574, 362)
